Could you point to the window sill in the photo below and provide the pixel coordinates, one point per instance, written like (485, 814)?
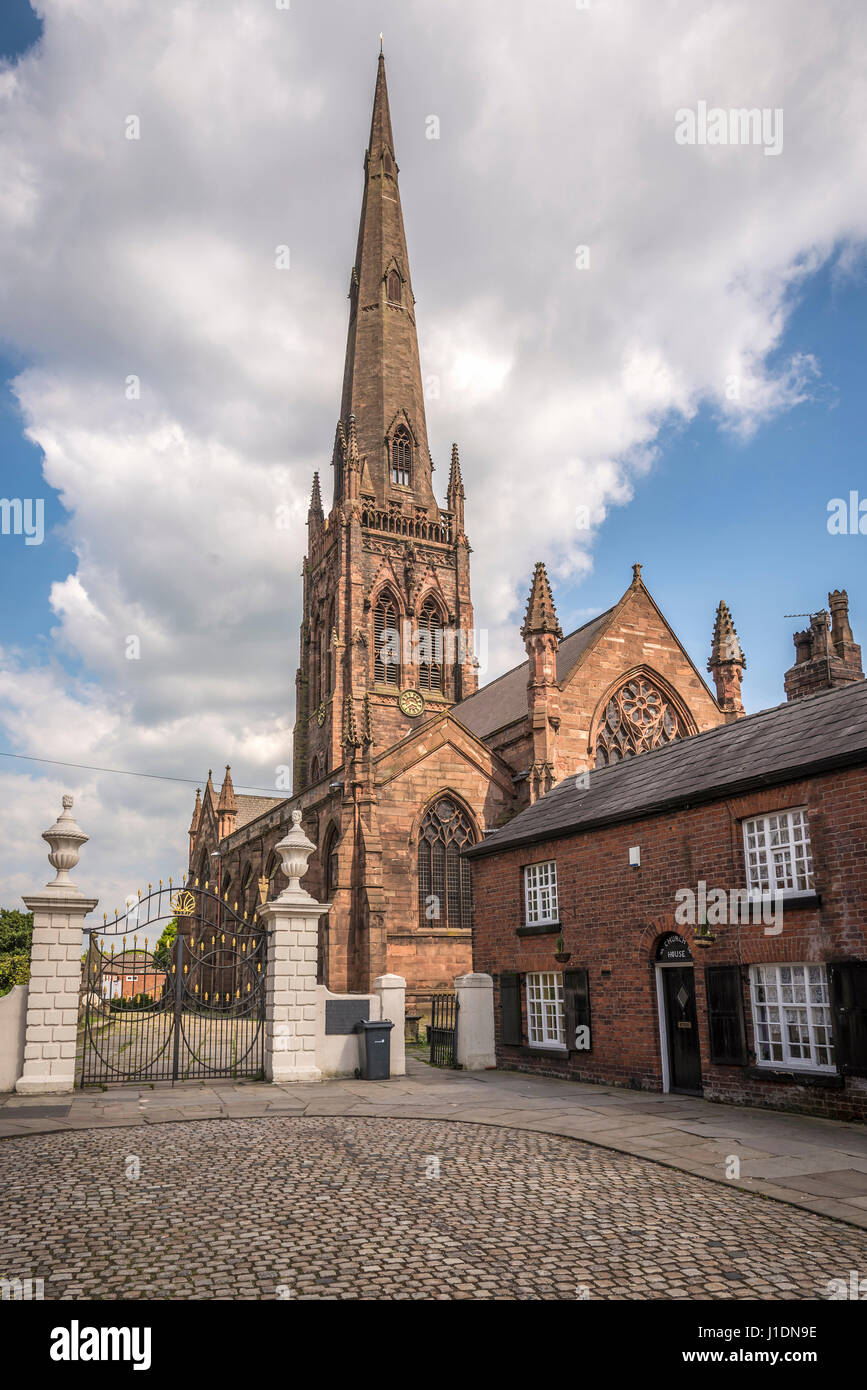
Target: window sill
(799, 900)
(791, 901)
(829, 1079)
(541, 929)
(540, 1050)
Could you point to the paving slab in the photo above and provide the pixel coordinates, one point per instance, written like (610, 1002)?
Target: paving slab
(841, 1182)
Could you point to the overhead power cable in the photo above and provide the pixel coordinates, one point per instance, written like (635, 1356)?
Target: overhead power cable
(124, 772)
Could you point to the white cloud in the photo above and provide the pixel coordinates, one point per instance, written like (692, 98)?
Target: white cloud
(156, 258)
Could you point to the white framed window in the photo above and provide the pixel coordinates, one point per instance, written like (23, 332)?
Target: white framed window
(545, 1021)
(777, 851)
(792, 1017)
(540, 893)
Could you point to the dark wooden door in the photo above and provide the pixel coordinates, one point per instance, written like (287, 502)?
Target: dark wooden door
(682, 1025)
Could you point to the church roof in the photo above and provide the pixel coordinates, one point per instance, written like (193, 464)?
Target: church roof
(804, 737)
(504, 700)
(249, 807)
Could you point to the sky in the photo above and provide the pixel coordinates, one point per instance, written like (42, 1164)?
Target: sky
(692, 379)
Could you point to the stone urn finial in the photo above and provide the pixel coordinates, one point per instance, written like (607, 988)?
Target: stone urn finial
(294, 851)
(65, 839)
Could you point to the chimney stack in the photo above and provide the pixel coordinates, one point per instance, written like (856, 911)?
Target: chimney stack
(826, 655)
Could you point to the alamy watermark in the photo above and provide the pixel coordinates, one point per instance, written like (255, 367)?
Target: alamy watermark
(851, 1288)
(22, 1290)
(444, 646)
(713, 125)
(23, 516)
(715, 907)
(847, 517)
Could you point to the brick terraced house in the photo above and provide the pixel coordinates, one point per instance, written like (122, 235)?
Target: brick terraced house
(695, 919)
(400, 760)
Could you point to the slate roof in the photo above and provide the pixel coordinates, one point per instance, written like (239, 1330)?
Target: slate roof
(249, 807)
(806, 736)
(504, 700)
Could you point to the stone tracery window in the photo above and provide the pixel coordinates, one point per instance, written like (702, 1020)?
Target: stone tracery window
(443, 877)
(638, 717)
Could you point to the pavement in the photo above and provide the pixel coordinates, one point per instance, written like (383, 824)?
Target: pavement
(817, 1165)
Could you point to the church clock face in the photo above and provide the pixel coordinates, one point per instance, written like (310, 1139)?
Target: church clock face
(411, 703)
(320, 714)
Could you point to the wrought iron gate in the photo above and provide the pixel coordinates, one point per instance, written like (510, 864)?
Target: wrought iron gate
(171, 1006)
(444, 1030)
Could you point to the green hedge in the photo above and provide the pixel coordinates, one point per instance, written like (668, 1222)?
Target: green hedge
(135, 1001)
(14, 970)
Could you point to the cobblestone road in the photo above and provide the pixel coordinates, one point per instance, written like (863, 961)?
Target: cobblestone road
(344, 1208)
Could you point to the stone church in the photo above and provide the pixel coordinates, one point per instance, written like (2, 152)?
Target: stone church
(400, 760)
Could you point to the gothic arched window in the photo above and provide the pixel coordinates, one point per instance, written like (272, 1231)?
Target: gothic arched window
(271, 872)
(443, 876)
(247, 897)
(386, 641)
(392, 287)
(430, 647)
(401, 457)
(638, 717)
(331, 865)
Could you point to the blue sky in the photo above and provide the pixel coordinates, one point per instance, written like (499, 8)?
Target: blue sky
(150, 258)
(718, 518)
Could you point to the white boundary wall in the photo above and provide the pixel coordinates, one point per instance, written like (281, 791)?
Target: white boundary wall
(13, 1025)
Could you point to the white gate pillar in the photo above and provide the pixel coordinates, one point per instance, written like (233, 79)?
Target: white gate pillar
(475, 994)
(392, 999)
(55, 967)
(292, 921)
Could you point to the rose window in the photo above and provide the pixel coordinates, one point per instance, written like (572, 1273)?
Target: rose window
(637, 718)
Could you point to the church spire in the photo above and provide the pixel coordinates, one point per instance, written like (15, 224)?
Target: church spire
(381, 137)
(382, 376)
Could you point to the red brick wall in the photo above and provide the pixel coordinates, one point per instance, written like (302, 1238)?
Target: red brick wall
(612, 917)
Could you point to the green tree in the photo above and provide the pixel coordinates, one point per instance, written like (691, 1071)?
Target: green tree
(16, 929)
(163, 948)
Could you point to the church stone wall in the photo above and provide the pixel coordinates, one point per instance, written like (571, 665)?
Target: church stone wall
(639, 638)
